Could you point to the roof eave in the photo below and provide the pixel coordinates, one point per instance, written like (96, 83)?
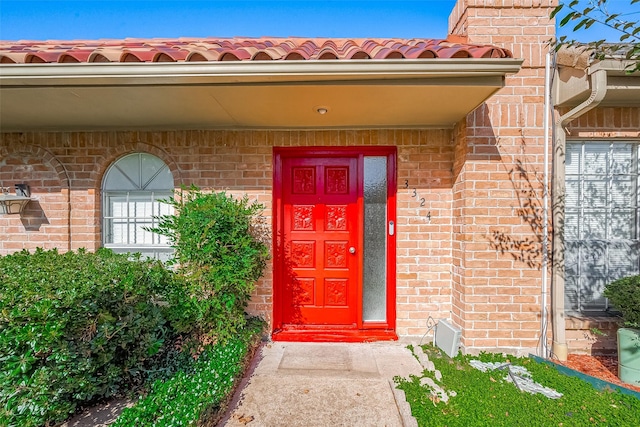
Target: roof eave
(247, 95)
(245, 72)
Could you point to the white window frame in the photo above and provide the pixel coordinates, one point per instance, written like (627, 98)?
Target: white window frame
(598, 247)
(131, 238)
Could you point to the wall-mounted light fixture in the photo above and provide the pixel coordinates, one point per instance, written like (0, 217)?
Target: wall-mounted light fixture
(14, 203)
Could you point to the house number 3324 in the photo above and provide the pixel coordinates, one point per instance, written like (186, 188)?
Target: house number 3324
(414, 193)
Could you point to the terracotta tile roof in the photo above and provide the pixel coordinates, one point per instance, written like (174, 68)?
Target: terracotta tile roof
(239, 49)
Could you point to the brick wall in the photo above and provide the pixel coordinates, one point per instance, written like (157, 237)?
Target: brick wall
(607, 122)
(241, 163)
(592, 335)
(44, 222)
(497, 188)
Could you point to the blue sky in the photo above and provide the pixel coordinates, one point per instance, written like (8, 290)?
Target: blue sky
(85, 19)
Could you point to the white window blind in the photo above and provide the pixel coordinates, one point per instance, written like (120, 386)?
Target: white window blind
(601, 221)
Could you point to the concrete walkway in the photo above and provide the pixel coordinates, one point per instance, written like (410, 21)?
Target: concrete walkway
(325, 384)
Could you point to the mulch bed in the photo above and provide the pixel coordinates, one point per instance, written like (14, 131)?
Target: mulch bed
(602, 367)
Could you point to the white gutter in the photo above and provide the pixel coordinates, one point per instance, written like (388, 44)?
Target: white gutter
(598, 92)
(233, 72)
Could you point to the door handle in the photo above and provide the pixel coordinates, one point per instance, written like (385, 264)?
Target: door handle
(352, 250)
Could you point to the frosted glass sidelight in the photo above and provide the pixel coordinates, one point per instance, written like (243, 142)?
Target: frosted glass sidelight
(374, 307)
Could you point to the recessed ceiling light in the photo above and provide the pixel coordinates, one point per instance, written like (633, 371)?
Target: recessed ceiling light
(322, 110)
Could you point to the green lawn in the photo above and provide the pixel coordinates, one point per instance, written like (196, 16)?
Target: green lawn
(487, 399)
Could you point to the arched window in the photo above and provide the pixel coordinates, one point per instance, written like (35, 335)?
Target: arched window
(132, 189)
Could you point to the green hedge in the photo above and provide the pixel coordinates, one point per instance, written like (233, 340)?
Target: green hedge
(76, 327)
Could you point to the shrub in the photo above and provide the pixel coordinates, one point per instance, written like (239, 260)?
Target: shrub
(624, 294)
(220, 252)
(75, 327)
(196, 392)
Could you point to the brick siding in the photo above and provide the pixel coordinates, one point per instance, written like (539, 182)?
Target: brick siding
(607, 122)
(497, 193)
(45, 222)
(240, 163)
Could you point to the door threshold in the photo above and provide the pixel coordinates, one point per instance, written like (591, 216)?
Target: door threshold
(329, 335)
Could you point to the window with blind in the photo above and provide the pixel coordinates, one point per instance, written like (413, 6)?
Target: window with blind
(601, 221)
(132, 190)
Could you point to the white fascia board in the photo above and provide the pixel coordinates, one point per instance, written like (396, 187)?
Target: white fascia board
(248, 72)
(614, 67)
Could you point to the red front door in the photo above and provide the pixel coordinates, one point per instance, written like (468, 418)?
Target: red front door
(334, 244)
(321, 268)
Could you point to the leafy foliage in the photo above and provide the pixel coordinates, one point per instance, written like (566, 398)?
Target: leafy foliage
(221, 252)
(624, 294)
(597, 12)
(487, 399)
(78, 327)
(197, 390)
(75, 327)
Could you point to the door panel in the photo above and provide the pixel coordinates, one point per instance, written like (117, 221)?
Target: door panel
(320, 231)
(328, 200)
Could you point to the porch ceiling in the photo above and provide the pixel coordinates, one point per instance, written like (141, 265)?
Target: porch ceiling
(162, 96)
